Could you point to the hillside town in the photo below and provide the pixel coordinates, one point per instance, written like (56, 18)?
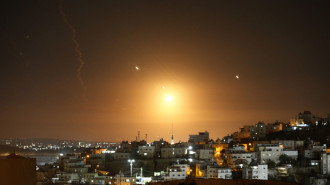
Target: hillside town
(296, 151)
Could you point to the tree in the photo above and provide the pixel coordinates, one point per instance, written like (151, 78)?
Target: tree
(271, 164)
(285, 159)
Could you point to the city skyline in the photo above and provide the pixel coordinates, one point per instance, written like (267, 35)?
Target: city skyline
(104, 71)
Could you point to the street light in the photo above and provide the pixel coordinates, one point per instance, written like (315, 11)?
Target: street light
(131, 161)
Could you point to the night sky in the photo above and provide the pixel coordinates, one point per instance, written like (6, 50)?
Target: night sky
(188, 50)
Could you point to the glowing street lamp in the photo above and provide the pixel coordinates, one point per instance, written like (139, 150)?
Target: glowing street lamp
(131, 161)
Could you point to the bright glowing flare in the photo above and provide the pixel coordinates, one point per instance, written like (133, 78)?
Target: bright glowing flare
(137, 68)
(169, 98)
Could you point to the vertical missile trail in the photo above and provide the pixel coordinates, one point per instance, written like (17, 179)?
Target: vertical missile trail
(76, 49)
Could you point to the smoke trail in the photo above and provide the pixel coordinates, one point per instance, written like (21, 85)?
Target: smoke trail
(77, 50)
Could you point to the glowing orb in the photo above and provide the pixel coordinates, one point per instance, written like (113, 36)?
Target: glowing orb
(169, 98)
(237, 77)
(137, 68)
(163, 87)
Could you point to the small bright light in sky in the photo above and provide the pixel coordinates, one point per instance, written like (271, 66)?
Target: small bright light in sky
(163, 87)
(169, 98)
(237, 77)
(137, 68)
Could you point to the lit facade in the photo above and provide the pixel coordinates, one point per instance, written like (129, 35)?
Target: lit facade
(259, 172)
(205, 154)
(218, 172)
(266, 152)
(239, 159)
(178, 171)
(147, 151)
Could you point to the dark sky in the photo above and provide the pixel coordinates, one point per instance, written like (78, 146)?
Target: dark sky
(279, 49)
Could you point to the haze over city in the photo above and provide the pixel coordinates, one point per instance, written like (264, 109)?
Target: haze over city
(105, 70)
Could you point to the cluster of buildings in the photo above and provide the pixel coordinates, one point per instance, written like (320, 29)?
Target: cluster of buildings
(137, 162)
(52, 144)
(247, 154)
(260, 130)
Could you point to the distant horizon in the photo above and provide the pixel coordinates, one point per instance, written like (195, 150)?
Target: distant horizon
(169, 137)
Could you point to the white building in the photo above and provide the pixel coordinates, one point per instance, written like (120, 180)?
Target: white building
(205, 154)
(147, 151)
(240, 159)
(256, 172)
(325, 164)
(266, 152)
(225, 173)
(291, 153)
(178, 171)
(143, 180)
(212, 171)
(218, 172)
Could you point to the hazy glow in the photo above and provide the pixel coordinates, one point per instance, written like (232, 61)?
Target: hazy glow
(169, 98)
(130, 73)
